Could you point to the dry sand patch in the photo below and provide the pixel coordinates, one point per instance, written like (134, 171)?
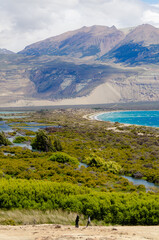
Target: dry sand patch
(60, 232)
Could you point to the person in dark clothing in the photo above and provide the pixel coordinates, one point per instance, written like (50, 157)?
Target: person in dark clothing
(89, 221)
(77, 221)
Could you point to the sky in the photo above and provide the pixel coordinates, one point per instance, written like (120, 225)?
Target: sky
(25, 22)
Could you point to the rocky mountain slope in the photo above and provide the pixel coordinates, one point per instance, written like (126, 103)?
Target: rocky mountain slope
(87, 66)
(84, 42)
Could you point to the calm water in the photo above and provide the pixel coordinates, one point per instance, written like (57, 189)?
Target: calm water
(5, 127)
(143, 118)
(148, 185)
(26, 145)
(11, 112)
(32, 126)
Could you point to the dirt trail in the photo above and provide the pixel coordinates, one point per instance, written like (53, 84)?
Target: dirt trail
(60, 232)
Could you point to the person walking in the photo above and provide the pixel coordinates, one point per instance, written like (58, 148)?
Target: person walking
(88, 221)
(77, 221)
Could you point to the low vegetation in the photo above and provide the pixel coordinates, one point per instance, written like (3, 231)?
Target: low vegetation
(31, 217)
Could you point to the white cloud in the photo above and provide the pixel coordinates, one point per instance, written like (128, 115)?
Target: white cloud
(151, 17)
(24, 22)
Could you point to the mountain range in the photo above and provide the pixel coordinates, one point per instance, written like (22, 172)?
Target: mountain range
(90, 65)
(138, 45)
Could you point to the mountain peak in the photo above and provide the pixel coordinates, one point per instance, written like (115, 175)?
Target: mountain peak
(145, 34)
(146, 26)
(5, 51)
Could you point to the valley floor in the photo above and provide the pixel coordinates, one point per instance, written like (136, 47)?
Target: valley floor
(61, 232)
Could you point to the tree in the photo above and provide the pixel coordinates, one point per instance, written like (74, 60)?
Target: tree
(42, 142)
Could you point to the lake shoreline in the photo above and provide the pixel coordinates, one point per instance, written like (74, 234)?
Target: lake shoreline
(95, 117)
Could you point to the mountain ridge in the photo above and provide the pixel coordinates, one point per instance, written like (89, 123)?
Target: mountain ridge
(86, 41)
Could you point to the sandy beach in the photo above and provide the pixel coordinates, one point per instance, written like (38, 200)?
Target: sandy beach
(61, 232)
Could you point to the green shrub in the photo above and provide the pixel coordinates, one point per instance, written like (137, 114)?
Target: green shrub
(63, 158)
(20, 139)
(96, 161)
(8, 222)
(112, 166)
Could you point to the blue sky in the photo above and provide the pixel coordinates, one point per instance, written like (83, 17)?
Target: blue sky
(151, 1)
(23, 22)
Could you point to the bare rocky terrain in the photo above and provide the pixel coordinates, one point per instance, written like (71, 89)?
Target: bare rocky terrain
(61, 232)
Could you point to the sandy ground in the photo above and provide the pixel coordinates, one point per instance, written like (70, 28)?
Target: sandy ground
(104, 93)
(60, 232)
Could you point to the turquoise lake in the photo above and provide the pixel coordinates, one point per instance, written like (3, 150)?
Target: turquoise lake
(143, 118)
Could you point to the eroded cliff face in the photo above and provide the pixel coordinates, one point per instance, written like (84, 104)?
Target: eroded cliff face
(14, 86)
(142, 87)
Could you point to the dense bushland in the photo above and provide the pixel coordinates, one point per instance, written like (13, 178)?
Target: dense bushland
(116, 208)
